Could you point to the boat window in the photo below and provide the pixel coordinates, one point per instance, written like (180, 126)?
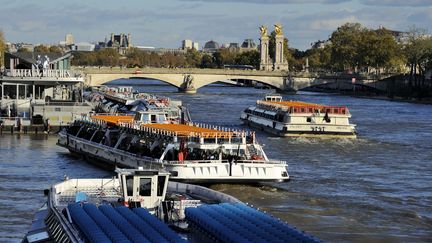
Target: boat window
(153, 118)
(145, 187)
(336, 111)
(308, 119)
(129, 185)
(161, 185)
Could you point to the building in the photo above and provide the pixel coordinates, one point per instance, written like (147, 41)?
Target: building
(211, 46)
(69, 39)
(36, 87)
(83, 46)
(120, 42)
(195, 46)
(249, 44)
(187, 44)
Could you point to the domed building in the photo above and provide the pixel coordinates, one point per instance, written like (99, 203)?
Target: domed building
(211, 46)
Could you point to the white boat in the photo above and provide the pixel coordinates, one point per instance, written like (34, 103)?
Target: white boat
(190, 152)
(125, 100)
(144, 206)
(295, 118)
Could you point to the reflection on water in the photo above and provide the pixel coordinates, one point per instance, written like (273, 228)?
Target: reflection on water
(375, 188)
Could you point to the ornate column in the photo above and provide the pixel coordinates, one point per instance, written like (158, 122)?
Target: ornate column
(280, 63)
(264, 50)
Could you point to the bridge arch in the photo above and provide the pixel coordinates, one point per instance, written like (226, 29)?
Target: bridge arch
(178, 79)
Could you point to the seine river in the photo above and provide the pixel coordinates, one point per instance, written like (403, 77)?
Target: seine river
(377, 188)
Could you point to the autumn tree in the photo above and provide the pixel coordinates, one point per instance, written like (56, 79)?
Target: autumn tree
(418, 51)
(345, 46)
(2, 48)
(41, 48)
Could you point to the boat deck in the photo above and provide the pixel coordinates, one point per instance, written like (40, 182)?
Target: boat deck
(94, 195)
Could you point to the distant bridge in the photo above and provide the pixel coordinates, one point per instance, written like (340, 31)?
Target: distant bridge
(190, 80)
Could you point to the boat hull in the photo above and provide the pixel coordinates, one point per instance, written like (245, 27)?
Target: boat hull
(312, 131)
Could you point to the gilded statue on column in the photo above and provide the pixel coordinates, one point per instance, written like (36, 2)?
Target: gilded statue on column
(263, 30)
(278, 29)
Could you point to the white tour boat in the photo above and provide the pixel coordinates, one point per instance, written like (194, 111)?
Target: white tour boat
(190, 152)
(296, 118)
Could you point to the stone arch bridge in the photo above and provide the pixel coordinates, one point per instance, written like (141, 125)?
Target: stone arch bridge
(190, 80)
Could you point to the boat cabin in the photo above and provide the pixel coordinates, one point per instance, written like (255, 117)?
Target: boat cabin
(273, 98)
(151, 117)
(143, 188)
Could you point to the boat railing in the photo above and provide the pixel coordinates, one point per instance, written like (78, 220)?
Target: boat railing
(220, 135)
(245, 161)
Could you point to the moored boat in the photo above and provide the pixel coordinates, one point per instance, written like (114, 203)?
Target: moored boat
(190, 152)
(296, 118)
(144, 206)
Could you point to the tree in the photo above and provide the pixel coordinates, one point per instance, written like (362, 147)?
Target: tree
(207, 61)
(41, 48)
(224, 57)
(23, 49)
(193, 58)
(418, 51)
(2, 48)
(345, 46)
(251, 57)
(55, 49)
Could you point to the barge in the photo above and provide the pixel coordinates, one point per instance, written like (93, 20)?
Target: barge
(191, 152)
(144, 206)
(299, 119)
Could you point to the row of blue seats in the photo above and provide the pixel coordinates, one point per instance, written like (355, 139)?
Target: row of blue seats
(233, 222)
(275, 226)
(86, 224)
(120, 224)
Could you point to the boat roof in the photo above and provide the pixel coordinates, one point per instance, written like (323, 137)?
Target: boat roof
(189, 130)
(113, 119)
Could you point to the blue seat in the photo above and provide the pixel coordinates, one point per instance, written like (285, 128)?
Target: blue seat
(86, 224)
(125, 227)
(213, 227)
(105, 224)
(140, 224)
(158, 225)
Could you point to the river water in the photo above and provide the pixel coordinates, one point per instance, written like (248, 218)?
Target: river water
(377, 188)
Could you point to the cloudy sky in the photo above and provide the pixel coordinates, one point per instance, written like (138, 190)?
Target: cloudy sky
(164, 23)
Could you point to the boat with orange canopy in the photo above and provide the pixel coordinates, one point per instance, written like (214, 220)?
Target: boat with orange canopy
(192, 152)
(297, 118)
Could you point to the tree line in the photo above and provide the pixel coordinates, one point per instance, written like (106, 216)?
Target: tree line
(190, 59)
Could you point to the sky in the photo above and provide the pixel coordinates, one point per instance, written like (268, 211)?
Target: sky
(165, 23)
